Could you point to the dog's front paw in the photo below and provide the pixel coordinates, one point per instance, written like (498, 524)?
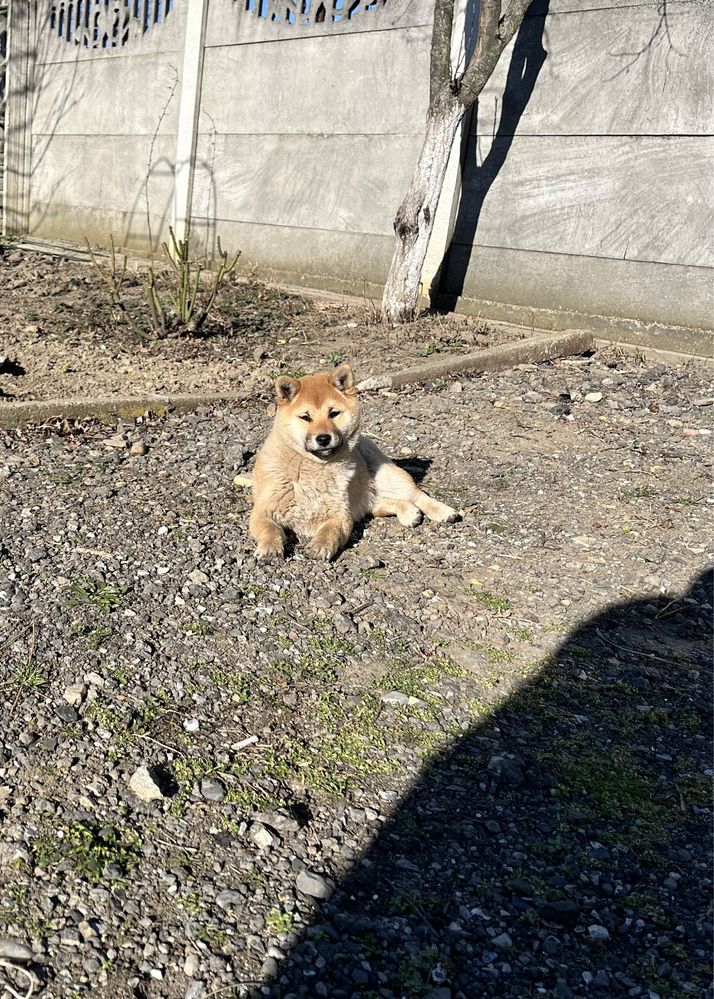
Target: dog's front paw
(270, 549)
(269, 539)
(325, 545)
(322, 550)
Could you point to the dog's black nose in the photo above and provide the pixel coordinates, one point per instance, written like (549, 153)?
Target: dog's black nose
(324, 440)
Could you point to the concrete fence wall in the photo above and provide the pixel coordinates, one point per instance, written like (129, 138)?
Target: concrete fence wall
(585, 194)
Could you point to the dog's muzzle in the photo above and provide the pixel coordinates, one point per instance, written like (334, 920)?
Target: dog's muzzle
(323, 445)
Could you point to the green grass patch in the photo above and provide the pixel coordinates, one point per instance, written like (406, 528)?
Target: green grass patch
(89, 846)
(491, 601)
(88, 590)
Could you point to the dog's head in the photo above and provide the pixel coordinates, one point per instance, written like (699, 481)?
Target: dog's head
(318, 413)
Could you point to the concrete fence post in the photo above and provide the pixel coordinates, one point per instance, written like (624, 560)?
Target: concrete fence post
(189, 111)
(19, 89)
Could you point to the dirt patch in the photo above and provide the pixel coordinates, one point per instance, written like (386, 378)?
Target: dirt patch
(62, 331)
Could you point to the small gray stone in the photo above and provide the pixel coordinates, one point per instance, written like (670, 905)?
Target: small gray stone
(508, 768)
(279, 820)
(502, 941)
(599, 933)
(314, 885)
(229, 899)
(561, 911)
(191, 965)
(551, 945)
(195, 990)
(270, 967)
(116, 441)
(212, 789)
(395, 697)
(198, 577)
(66, 713)
(262, 836)
(12, 950)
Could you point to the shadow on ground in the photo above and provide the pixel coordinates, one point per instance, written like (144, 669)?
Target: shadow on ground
(559, 848)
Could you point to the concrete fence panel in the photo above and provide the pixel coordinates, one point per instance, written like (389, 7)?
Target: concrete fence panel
(583, 195)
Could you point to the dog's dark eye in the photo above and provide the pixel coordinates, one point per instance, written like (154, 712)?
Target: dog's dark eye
(306, 417)
(334, 413)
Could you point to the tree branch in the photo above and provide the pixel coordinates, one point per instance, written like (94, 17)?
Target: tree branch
(440, 68)
(494, 34)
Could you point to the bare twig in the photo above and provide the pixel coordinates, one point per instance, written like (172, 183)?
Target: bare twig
(244, 743)
(150, 160)
(114, 281)
(23, 972)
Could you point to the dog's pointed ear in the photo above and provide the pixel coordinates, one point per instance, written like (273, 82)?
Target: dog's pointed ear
(286, 389)
(344, 380)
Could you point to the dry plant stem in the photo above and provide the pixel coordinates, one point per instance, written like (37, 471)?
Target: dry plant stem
(24, 973)
(224, 269)
(183, 311)
(114, 281)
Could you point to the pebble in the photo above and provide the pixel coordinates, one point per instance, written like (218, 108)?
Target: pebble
(314, 885)
(144, 786)
(229, 899)
(593, 397)
(75, 694)
(212, 789)
(13, 950)
(138, 448)
(263, 838)
(563, 911)
(395, 697)
(599, 933)
(507, 768)
(192, 965)
(117, 442)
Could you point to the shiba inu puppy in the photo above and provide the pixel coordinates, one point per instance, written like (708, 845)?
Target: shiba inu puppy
(316, 476)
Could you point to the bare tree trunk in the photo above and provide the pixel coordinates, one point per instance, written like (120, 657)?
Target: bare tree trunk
(449, 100)
(415, 219)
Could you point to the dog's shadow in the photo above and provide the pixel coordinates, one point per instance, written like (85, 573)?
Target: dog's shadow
(416, 467)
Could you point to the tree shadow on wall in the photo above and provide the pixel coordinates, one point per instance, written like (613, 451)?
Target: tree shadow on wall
(560, 846)
(527, 60)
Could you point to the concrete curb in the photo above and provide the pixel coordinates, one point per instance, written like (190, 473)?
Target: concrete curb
(16, 414)
(530, 351)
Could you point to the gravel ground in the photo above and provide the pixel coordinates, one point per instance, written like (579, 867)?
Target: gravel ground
(463, 760)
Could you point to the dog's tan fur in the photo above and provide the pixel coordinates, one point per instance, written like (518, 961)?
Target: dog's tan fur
(319, 489)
